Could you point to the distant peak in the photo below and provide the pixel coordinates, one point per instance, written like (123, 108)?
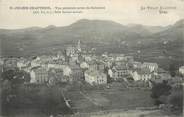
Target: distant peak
(50, 26)
(135, 25)
(95, 22)
(83, 20)
(179, 23)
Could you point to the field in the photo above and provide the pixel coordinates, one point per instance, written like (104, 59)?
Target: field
(129, 113)
(92, 100)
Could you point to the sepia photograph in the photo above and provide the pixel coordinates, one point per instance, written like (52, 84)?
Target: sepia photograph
(91, 58)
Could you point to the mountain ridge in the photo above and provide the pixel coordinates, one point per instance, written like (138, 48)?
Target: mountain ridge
(88, 31)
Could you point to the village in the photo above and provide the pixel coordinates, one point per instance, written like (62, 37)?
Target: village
(76, 64)
(107, 74)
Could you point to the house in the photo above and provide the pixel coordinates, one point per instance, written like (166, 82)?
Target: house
(129, 59)
(59, 56)
(105, 55)
(70, 50)
(35, 63)
(56, 64)
(153, 67)
(101, 66)
(84, 65)
(120, 63)
(181, 70)
(61, 75)
(39, 75)
(96, 65)
(92, 65)
(176, 81)
(77, 72)
(87, 58)
(10, 63)
(119, 72)
(136, 65)
(46, 58)
(141, 74)
(73, 58)
(26, 69)
(58, 75)
(116, 57)
(23, 64)
(108, 63)
(80, 59)
(1, 61)
(110, 73)
(95, 77)
(120, 57)
(67, 72)
(39, 62)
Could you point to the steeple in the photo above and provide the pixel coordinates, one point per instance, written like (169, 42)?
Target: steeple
(79, 46)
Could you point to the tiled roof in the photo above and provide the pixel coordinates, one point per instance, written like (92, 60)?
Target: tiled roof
(143, 71)
(119, 67)
(38, 68)
(152, 64)
(94, 73)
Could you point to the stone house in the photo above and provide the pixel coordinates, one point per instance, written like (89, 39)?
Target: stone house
(39, 75)
(119, 72)
(141, 74)
(181, 70)
(95, 77)
(153, 67)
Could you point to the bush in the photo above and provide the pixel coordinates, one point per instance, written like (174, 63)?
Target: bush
(163, 93)
(160, 89)
(176, 99)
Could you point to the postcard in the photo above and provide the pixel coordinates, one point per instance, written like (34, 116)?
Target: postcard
(91, 58)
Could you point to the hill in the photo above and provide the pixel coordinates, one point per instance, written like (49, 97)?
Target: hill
(102, 34)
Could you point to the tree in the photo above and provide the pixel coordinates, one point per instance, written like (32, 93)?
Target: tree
(11, 82)
(15, 76)
(159, 91)
(176, 98)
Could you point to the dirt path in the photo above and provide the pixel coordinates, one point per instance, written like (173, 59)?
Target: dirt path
(90, 99)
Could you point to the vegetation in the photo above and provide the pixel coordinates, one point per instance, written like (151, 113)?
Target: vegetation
(19, 97)
(159, 90)
(171, 97)
(176, 99)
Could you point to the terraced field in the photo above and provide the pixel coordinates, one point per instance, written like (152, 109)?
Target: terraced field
(99, 100)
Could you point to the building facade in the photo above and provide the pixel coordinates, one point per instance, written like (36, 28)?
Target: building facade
(153, 67)
(119, 72)
(141, 74)
(181, 70)
(95, 77)
(39, 75)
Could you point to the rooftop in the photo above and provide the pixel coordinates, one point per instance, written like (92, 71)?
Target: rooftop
(94, 73)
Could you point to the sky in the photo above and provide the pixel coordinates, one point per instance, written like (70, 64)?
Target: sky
(121, 11)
